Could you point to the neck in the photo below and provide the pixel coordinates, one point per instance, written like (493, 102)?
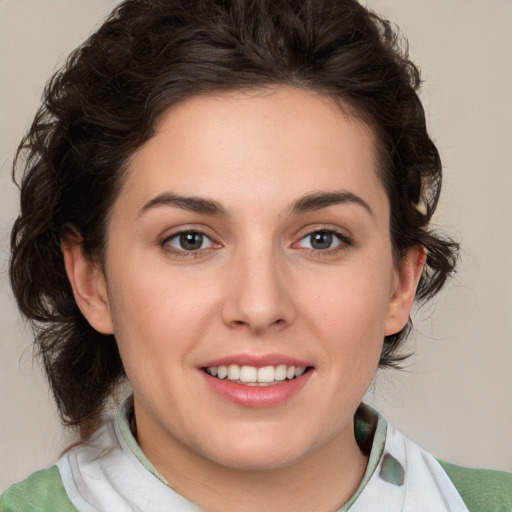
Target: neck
(321, 481)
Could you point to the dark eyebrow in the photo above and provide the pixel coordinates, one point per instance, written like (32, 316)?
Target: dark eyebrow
(192, 204)
(319, 200)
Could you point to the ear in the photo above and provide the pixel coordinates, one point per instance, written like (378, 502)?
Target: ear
(409, 273)
(88, 284)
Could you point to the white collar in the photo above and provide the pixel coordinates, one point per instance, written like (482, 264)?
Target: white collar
(110, 472)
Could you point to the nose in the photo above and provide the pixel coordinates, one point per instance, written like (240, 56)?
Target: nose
(258, 296)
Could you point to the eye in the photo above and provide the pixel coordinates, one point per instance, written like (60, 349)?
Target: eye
(189, 241)
(323, 240)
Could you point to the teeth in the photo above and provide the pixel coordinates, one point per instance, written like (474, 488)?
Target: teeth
(252, 375)
(266, 374)
(280, 372)
(233, 372)
(222, 372)
(248, 374)
(299, 371)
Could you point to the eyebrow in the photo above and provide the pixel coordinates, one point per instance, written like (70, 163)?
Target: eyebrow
(191, 204)
(319, 200)
(308, 203)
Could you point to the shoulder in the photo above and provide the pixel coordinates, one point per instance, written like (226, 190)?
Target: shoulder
(483, 490)
(42, 491)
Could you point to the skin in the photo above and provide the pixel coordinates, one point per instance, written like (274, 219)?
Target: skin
(255, 287)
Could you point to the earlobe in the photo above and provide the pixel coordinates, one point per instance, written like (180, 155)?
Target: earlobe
(88, 284)
(402, 300)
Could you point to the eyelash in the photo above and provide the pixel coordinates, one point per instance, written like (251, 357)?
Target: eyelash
(184, 253)
(344, 243)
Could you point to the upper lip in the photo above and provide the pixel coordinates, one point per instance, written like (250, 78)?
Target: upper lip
(257, 360)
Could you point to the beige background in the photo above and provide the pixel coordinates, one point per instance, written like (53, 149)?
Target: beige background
(456, 397)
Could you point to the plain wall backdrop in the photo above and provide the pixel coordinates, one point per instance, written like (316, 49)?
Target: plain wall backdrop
(455, 397)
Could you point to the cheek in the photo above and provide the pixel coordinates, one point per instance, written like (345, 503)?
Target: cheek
(157, 319)
(349, 311)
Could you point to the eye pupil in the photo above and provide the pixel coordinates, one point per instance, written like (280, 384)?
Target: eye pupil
(321, 240)
(191, 241)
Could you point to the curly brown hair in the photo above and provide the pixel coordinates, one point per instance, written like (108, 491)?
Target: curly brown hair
(104, 103)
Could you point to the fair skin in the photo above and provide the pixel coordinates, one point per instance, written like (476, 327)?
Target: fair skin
(240, 278)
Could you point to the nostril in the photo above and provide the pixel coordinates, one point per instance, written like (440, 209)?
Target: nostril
(278, 324)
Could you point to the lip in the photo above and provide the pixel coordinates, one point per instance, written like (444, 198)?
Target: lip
(258, 361)
(257, 397)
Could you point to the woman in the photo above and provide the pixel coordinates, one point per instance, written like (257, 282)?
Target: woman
(228, 204)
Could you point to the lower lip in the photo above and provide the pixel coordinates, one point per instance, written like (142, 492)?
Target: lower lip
(257, 397)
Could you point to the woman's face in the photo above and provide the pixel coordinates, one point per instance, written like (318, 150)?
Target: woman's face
(251, 236)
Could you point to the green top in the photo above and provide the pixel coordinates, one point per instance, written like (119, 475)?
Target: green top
(481, 490)
(42, 491)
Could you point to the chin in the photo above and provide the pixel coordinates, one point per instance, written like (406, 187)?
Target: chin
(258, 461)
(250, 454)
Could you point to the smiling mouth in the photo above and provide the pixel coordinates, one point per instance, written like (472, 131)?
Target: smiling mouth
(254, 376)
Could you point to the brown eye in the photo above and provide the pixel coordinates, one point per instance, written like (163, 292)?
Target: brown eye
(321, 240)
(324, 240)
(189, 241)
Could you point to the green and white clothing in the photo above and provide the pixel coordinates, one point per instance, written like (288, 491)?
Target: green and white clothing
(110, 473)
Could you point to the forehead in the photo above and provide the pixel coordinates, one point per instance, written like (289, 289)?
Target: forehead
(268, 146)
